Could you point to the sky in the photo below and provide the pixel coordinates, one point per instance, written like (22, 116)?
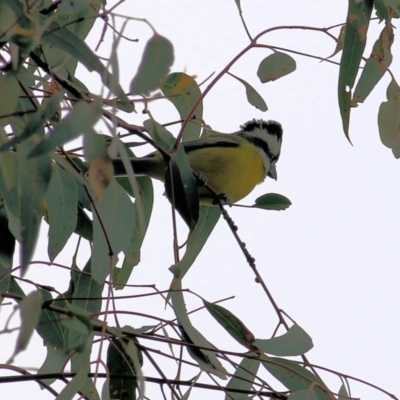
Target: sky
(331, 259)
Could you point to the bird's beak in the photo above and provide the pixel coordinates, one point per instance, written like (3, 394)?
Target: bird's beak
(272, 172)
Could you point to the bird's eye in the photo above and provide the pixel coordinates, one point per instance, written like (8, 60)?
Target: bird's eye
(273, 158)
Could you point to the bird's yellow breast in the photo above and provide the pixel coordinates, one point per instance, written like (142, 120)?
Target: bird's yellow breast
(233, 171)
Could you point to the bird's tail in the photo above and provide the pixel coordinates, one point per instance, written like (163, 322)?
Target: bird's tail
(146, 166)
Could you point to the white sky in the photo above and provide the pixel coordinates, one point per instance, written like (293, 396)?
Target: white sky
(329, 260)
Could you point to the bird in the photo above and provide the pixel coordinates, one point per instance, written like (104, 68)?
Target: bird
(231, 164)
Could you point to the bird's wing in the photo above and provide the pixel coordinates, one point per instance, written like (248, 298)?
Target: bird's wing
(213, 140)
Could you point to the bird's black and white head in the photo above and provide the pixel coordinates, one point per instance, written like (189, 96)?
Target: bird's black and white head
(267, 136)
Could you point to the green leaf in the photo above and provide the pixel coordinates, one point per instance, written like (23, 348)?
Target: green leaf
(80, 120)
(252, 96)
(118, 220)
(382, 10)
(34, 177)
(343, 394)
(136, 357)
(119, 363)
(30, 309)
(64, 39)
(9, 14)
(9, 94)
(305, 394)
(35, 123)
(54, 363)
(86, 289)
(294, 342)
(293, 376)
(158, 57)
(184, 93)
(74, 386)
(84, 225)
(161, 136)
(8, 175)
(394, 5)
(207, 360)
(389, 119)
(233, 325)
(358, 16)
(181, 188)
(275, 66)
(88, 302)
(61, 200)
(375, 67)
(243, 378)
(208, 218)
(9, 181)
(7, 248)
(50, 327)
(132, 252)
(272, 201)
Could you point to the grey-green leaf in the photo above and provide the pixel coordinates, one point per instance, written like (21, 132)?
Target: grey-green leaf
(294, 376)
(157, 60)
(272, 201)
(232, 324)
(208, 218)
(389, 119)
(61, 200)
(36, 121)
(275, 66)
(243, 378)
(80, 120)
(34, 177)
(30, 309)
(294, 342)
(118, 220)
(358, 16)
(184, 93)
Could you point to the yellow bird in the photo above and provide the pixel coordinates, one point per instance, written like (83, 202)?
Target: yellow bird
(232, 164)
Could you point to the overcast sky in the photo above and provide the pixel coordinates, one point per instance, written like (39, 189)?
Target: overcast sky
(331, 259)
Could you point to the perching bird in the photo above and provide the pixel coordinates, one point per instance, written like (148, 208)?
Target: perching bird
(232, 164)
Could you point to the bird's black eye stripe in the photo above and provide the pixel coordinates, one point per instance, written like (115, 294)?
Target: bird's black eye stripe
(273, 157)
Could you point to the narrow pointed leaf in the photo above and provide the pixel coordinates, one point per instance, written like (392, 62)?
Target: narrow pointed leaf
(30, 309)
(295, 377)
(375, 67)
(119, 363)
(207, 360)
(252, 96)
(64, 39)
(358, 17)
(9, 94)
(80, 120)
(34, 177)
(243, 378)
(35, 123)
(117, 222)
(233, 325)
(61, 200)
(389, 119)
(74, 386)
(208, 218)
(7, 248)
(132, 252)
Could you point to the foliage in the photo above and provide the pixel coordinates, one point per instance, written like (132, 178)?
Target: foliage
(44, 106)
